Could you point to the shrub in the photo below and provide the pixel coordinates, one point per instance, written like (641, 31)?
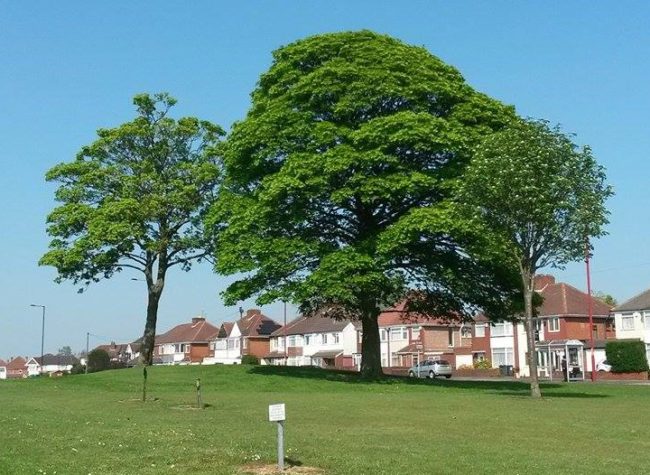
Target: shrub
(250, 359)
(98, 360)
(483, 364)
(626, 356)
(78, 368)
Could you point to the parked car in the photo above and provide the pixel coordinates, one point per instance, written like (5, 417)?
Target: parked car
(604, 366)
(430, 369)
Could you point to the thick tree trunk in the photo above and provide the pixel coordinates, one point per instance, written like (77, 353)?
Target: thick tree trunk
(528, 282)
(370, 345)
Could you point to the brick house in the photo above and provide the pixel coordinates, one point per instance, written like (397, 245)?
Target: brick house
(22, 367)
(562, 318)
(249, 335)
(408, 337)
(315, 341)
(186, 343)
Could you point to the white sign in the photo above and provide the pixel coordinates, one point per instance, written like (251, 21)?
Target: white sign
(276, 412)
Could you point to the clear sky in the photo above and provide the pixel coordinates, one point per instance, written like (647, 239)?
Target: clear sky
(68, 68)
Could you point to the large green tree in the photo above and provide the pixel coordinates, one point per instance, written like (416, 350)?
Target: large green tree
(338, 184)
(542, 197)
(135, 199)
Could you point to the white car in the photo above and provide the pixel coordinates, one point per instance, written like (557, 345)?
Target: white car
(431, 369)
(603, 366)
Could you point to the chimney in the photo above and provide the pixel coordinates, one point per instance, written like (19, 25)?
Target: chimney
(543, 280)
(196, 320)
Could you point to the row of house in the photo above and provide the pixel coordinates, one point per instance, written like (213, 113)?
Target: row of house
(562, 332)
(20, 367)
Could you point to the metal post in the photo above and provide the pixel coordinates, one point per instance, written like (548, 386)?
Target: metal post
(87, 344)
(286, 348)
(591, 316)
(281, 445)
(199, 402)
(42, 334)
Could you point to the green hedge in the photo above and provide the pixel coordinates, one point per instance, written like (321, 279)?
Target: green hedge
(250, 359)
(626, 356)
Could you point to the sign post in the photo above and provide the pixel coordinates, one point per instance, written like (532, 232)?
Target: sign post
(277, 414)
(199, 402)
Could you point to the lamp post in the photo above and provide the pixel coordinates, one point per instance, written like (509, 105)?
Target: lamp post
(42, 334)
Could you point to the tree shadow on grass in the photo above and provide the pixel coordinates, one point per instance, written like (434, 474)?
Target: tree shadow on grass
(501, 387)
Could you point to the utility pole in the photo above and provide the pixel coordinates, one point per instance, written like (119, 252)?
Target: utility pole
(590, 306)
(42, 335)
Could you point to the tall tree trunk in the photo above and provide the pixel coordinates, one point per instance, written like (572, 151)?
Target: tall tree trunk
(149, 336)
(370, 344)
(528, 285)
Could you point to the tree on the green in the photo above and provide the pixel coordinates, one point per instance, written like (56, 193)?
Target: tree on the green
(98, 360)
(543, 197)
(339, 182)
(609, 299)
(135, 199)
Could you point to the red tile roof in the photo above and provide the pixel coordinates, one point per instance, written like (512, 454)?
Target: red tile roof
(16, 364)
(397, 315)
(2, 362)
(564, 299)
(255, 324)
(315, 324)
(198, 330)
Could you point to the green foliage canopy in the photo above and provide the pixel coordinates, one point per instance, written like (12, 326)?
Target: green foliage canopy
(626, 356)
(338, 181)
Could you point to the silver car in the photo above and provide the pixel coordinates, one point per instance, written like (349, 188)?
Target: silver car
(431, 369)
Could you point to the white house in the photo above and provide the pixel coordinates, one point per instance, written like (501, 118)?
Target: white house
(249, 335)
(3, 369)
(632, 320)
(186, 343)
(56, 363)
(33, 367)
(315, 341)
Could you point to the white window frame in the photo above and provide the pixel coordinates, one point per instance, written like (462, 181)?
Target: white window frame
(479, 330)
(629, 319)
(337, 338)
(415, 333)
(502, 329)
(292, 341)
(646, 317)
(383, 334)
(398, 334)
(508, 356)
(553, 324)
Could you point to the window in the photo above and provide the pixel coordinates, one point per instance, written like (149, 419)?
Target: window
(479, 329)
(502, 329)
(465, 331)
(395, 360)
(292, 340)
(478, 356)
(336, 337)
(450, 336)
(187, 348)
(382, 334)
(647, 320)
(179, 348)
(415, 333)
(307, 340)
(502, 356)
(398, 333)
(324, 339)
(245, 343)
(237, 343)
(554, 324)
(231, 344)
(627, 322)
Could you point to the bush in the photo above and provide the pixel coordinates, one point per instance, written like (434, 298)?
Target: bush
(483, 364)
(78, 368)
(250, 359)
(626, 356)
(98, 360)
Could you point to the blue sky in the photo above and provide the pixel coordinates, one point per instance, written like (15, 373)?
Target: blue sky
(71, 67)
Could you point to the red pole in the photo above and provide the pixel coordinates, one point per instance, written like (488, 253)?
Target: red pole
(590, 306)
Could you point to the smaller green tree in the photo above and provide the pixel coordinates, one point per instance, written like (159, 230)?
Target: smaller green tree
(65, 351)
(607, 298)
(98, 360)
(542, 197)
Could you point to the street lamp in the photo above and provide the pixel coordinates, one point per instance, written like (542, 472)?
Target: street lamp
(42, 335)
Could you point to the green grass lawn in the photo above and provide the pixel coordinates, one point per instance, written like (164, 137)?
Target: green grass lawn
(95, 424)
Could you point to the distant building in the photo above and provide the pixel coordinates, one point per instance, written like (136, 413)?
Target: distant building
(633, 319)
(186, 343)
(56, 363)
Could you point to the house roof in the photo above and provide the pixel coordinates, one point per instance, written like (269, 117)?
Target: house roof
(60, 360)
(17, 363)
(113, 349)
(256, 324)
(316, 324)
(3, 362)
(416, 347)
(198, 330)
(225, 329)
(638, 302)
(398, 315)
(564, 299)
